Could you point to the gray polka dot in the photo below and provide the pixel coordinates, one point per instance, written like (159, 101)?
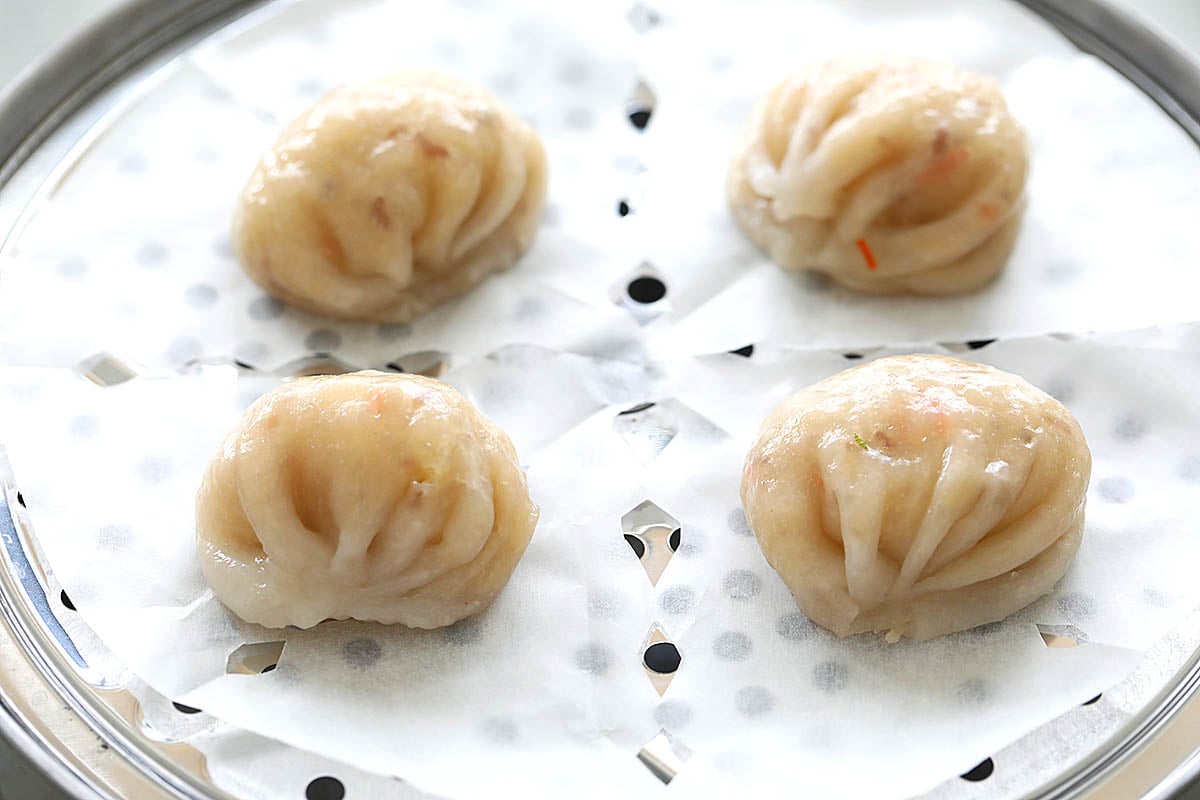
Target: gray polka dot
(1061, 390)
(605, 604)
(132, 162)
(323, 340)
(677, 600)
(83, 426)
(1157, 598)
(114, 537)
(393, 333)
(986, 629)
(1077, 605)
(500, 730)
(446, 49)
(218, 94)
(973, 692)
(573, 73)
(310, 87)
(1115, 489)
(719, 62)
(732, 646)
(1060, 272)
(183, 349)
(742, 584)
(151, 254)
(795, 627)
(251, 352)
(594, 659)
(1189, 469)
(754, 701)
(738, 523)
(200, 295)
(830, 676)
(578, 118)
(529, 307)
(552, 216)
(673, 714)
(691, 545)
(223, 247)
(72, 269)
(361, 653)
(264, 308)
(205, 154)
(154, 469)
(1129, 428)
(503, 83)
(465, 631)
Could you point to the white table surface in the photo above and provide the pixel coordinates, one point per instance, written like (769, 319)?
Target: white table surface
(30, 27)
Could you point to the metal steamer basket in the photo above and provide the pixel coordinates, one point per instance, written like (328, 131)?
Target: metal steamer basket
(83, 720)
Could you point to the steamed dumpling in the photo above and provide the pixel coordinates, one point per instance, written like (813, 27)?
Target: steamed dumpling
(369, 496)
(917, 495)
(391, 196)
(891, 175)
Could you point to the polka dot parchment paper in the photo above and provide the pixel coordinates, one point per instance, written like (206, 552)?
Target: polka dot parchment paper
(604, 355)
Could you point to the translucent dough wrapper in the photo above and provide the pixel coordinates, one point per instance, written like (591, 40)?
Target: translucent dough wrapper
(369, 496)
(391, 196)
(918, 495)
(890, 175)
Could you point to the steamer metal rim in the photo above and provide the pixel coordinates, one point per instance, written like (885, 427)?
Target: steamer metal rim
(56, 103)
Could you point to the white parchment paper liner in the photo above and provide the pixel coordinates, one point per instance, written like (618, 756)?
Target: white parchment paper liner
(545, 692)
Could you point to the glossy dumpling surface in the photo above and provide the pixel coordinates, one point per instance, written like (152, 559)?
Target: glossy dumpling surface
(892, 175)
(391, 196)
(917, 495)
(370, 496)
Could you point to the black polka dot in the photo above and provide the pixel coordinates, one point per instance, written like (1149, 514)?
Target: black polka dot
(151, 254)
(1077, 605)
(361, 653)
(72, 269)
(795, 627)
(182, 709)
(830, 676)
(979, 344)
(732, 646)
(323, 340)
(66, 601)
(738, 523)
(744, 352)
(677, 600)
(465, 631)
(500, 730)
(325, 787)
(83, 427)
(264, 308)
(646, 290)
(200, 295)
(662, 657)
(623, 208)
(981, 771)
(741, 584)
(594, 659)
(394, 333)
(1116, 489)
(674, 539)
(852, 356)
(754, 701)
(973, 692)
(673, 714)
(154, 469)
(639, 115)
(1094, 700)
(636, 544)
